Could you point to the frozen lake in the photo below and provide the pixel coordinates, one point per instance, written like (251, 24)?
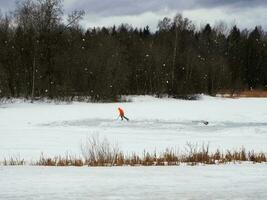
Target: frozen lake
(27, 130)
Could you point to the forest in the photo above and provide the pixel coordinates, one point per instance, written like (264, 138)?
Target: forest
(43, 55)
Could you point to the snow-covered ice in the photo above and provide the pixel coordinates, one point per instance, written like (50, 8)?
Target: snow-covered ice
(224, 182)
(27, 130)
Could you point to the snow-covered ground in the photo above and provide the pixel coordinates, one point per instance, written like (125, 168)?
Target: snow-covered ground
(27, 130)
(224, 182)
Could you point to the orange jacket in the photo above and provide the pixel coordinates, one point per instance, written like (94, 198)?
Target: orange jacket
(121, 111)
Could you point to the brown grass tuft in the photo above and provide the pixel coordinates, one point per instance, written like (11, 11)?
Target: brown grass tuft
(101, 153)
(247, 93)
(256, 157)
(12, 161)
(66, 160)
(98, 152)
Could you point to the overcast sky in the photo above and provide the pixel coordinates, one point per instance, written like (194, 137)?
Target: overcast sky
(244, 13)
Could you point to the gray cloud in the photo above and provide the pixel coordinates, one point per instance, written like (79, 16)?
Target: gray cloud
(128, 7)
(7, 5)
(136, 7)
(233, 3)
(247, 13)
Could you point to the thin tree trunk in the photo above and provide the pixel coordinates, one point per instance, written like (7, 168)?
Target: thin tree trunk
(33, 77)
(174, 59)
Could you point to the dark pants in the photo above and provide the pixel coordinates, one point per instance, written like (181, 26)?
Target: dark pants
(122, 116)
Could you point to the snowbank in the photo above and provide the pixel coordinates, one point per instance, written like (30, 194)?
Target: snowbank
(246, 182)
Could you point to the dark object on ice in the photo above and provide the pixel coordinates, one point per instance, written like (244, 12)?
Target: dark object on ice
(201, 122)
(205, 122)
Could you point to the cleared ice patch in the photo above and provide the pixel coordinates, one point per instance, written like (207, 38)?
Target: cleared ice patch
(158, 124)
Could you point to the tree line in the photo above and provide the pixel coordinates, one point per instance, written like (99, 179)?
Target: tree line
(41, 55)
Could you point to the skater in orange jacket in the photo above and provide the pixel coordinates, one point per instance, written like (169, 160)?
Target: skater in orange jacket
(121, 114)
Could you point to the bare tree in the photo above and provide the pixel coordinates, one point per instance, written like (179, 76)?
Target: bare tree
(74, 18)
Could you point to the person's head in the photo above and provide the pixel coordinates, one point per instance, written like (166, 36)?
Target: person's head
(120, 110)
